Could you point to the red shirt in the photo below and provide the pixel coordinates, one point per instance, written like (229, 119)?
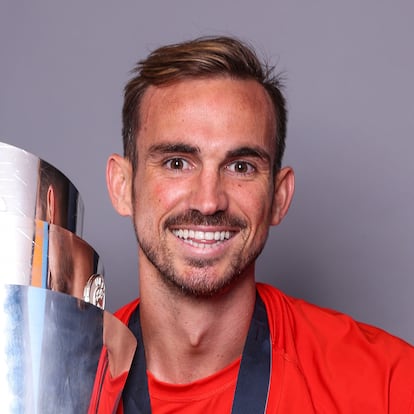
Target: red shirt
(213, 394)
(322, 362)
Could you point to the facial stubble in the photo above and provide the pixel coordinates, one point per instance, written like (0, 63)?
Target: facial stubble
(198, 280)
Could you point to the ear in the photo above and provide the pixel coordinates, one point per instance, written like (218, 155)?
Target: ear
(119, 182)
(283, 194)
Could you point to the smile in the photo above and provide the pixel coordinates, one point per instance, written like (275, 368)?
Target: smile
(202, 238)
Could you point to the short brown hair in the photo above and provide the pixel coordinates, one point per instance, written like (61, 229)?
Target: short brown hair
(198, 58)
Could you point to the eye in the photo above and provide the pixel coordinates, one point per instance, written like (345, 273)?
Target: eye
(177, 164)
(241, 167)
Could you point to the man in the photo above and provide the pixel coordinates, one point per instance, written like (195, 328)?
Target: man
(204, 127)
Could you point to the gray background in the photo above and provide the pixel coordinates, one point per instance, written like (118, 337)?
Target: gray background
(348, 241)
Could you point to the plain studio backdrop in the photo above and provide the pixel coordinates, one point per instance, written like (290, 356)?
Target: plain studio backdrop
(348, 240)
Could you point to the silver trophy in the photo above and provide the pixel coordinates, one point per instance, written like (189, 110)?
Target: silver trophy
(54, 330)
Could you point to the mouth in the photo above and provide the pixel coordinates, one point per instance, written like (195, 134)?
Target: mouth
(203, 239)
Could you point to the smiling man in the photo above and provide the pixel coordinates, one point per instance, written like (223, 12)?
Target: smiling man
(204, 126)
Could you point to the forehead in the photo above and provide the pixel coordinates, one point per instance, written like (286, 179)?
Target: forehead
(217, 107)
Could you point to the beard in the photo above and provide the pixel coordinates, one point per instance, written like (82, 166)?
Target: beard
(199, 280)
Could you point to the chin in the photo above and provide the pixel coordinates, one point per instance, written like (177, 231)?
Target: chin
(201, 286)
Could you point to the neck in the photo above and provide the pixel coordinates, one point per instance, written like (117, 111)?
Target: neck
(187, 338)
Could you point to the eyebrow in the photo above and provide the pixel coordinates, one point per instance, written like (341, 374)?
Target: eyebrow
(173, 148)
(183, 148)
(255, 152)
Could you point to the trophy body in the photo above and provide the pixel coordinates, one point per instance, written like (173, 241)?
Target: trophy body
(52, 294)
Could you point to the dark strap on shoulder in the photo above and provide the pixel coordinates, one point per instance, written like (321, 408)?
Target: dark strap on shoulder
(254, 373)
(135, 396)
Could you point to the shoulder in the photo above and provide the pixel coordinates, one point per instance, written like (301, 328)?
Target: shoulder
(329, 349)
(124, 313)
(299, 319)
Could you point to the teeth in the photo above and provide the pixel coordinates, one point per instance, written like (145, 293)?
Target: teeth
(192, 236)
(210, 235)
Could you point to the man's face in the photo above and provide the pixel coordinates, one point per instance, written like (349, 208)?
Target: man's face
(204, 192)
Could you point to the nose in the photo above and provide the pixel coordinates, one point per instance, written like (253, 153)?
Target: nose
(208, 194)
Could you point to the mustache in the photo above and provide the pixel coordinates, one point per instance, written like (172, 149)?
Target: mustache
(194, 217)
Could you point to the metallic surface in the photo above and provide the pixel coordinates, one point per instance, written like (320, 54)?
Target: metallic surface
(32, 188)
(52, 338)
(50, 345)
(36, 253)
(95, 290)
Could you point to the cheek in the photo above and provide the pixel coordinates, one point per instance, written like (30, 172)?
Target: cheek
(160, 196)
(166, 194)
(260, 213)
(254, 201)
